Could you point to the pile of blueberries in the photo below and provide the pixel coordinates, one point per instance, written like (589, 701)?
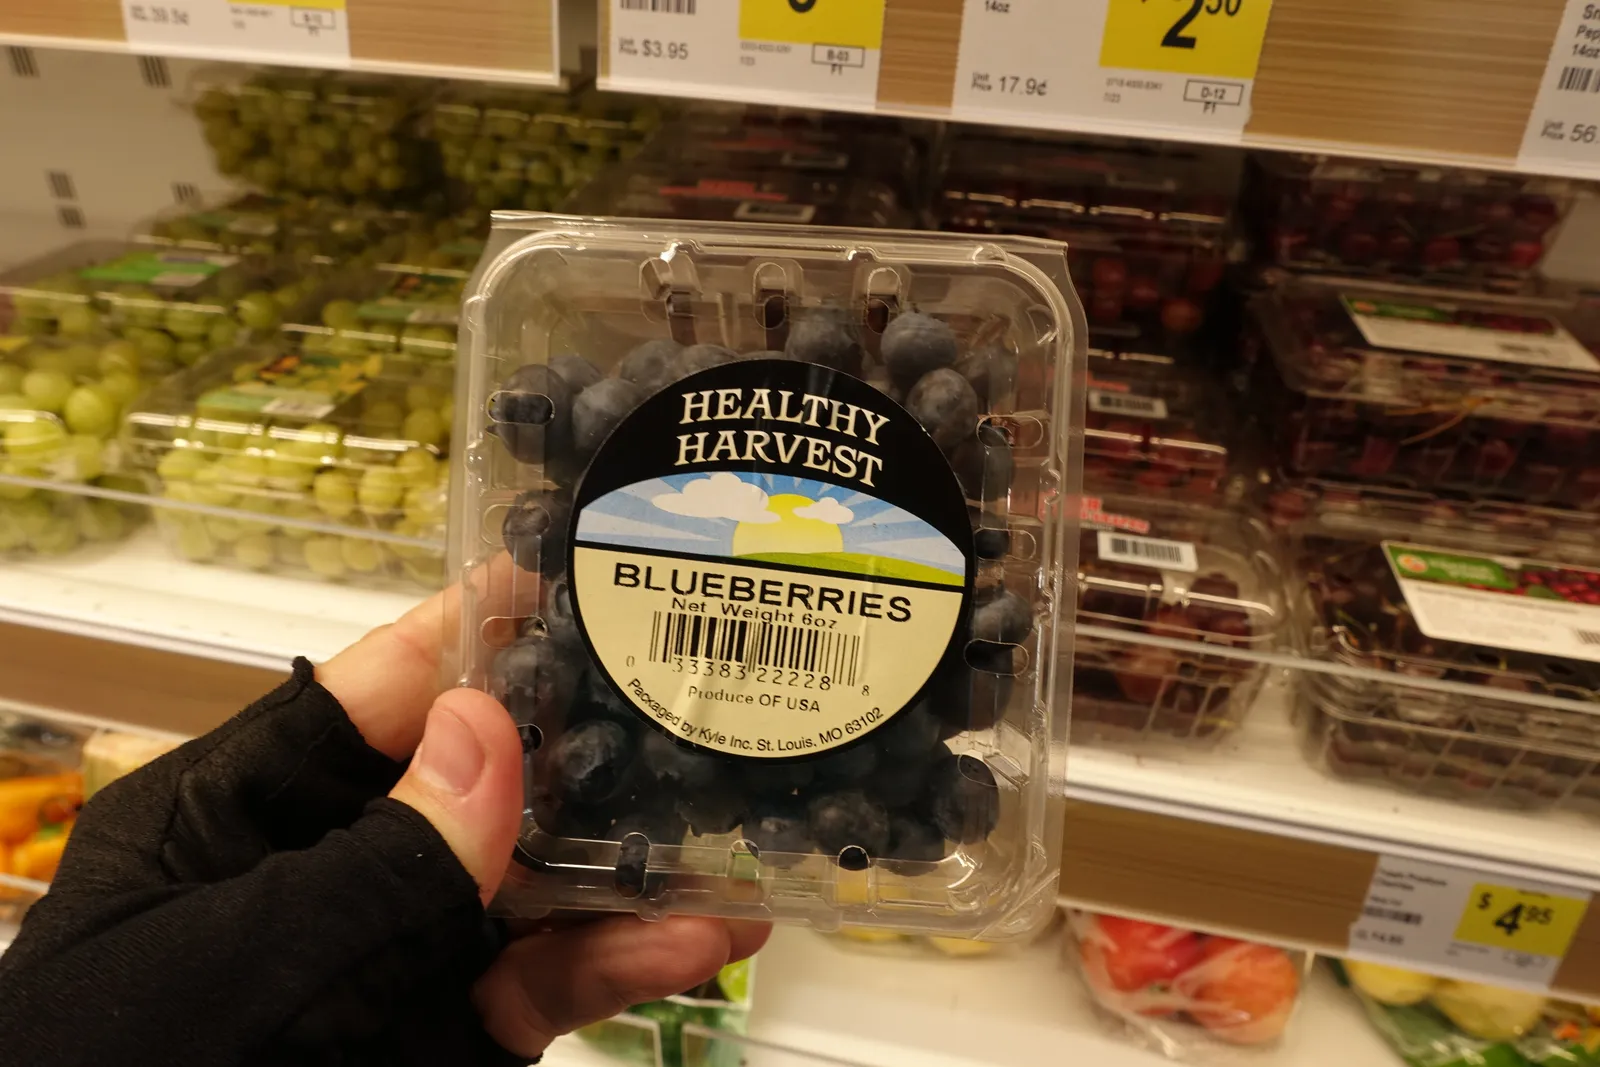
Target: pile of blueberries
(596, 769)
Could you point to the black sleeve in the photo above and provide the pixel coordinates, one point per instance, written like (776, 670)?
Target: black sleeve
(253, 898)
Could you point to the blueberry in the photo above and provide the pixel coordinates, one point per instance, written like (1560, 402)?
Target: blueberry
(991, 371)
(778, 830)
(696, 358)
(674, 766)
(638, 832)
(962, 799)
(914, 845)
(898, 785)
(532, 413)
(838, 821)
(909, 737)
(982, 464)
(535, 678)
(718, 810)
(845, 766)
(991, 542)
(1001, 616)
(589, 763)
(655, 818)
(825, 337)
(535, 531)
(915, 344)
(560, 819)
(558, 601)
(598, 409)
(946, 406)
(597, 700)
(576, 371)
(775, 779)
(651, 366)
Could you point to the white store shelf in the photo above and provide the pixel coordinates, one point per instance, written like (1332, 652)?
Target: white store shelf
(137, 593)
(820, 1000)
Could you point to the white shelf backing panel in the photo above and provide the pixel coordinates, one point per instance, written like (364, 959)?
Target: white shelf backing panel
(137, 593)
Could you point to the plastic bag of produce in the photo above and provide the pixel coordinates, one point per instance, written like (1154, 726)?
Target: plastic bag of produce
(1184, 994)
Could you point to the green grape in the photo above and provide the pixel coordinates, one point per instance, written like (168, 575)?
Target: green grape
(265, 172)
(447, 416)
(224, 531)
(182, 492)
(155, 347)
(381, 490)
(327, 138)
(189, 353)
(290, 475)
(210, 487)
(325, 557)
(367, 165)
(12, 491)
(46, 390)
(84, 458)
(81, 359)
(341, 315)
(303, 159)
(187, 324)
(334, 494)
(102, 521)
(58, 536)
(363, 557)
(12, 536)
(121, 387)
(290, 550)
(417, 467)
(391, 178)
(296, 111)
(425, 506)
(26, 326)
(245, 471)
(10, 380)
(383, 415)
(15, 402)
(301, 511)
(116, 356)
(355, 183)
(89, 409)
(181, 464)
(193, 542)
(224, 333)
(316, 442)
(35, 441)
(78, 320)
(424, 427)
(254, 551)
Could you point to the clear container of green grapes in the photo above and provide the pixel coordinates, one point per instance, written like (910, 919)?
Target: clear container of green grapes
(277, 459)
(394, 310)
(60, 403)
(300, 131)
(174, 305)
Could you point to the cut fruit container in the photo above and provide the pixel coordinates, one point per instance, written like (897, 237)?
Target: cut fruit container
(760, 535)
(273, 459)
(1434, 390)
(1211, 579)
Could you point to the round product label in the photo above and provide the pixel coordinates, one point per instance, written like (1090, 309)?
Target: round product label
(770, 559)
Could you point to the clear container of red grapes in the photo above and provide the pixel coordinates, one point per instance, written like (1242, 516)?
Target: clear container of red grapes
(760, 537)
(1441, 609)
(1400, 220)
(1434, 390)
(271, 458)
(1210, 578)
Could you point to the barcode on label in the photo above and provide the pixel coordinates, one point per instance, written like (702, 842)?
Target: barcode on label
(1578, 80)
(1147, 407)
(666, 7)
(1587, 637)
(749, 644)
(1410, 918)
(1148, 552)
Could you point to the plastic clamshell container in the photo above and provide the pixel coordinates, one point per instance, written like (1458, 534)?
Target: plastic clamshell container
(1349, 216)
(1160, 434)
(790, 199)
(881, 758)
(1434, 603)
(393, 309)
(1434, 390)
(271, 459)
(1209, 577)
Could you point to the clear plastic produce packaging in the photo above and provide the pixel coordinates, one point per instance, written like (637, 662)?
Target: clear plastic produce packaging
(391, 310)
(1349, 216)
(1429, 602)
(1185, 995)
(1434, 389)
(790, 198)
(778, 646)
(274, 459)
(1167, 434)
(1203, 576)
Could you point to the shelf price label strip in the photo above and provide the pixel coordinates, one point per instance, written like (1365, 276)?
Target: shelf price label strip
(1450, 920)
(1563, 131)
(1163, 66)
(816, 52)
(288, 31)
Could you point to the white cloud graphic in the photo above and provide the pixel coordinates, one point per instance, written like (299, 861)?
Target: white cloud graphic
(721, 496)
(826, 510)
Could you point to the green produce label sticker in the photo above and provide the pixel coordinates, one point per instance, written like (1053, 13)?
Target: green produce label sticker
(1520, 605)
(169, 270)
(421, 299)
(295, 386)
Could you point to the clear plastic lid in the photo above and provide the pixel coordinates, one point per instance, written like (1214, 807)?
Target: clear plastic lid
(283, 460)
(760, 536)
(393, 309)
(790, 199)
(1161, 434)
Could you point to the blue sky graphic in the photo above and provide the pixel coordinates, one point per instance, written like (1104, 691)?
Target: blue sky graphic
(628, 518)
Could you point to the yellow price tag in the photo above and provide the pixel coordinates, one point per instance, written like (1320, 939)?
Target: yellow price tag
(848, 23)
(1209, 38)
(1500, 916)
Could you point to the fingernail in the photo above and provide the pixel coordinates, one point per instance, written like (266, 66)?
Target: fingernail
(450, 757)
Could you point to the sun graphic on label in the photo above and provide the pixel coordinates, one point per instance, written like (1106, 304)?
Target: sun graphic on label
(803, 526)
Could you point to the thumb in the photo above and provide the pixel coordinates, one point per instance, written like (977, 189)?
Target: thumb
(466, 779)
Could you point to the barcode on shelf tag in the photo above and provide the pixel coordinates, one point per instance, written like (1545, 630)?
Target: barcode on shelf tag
(1143, 407)
(1148, 552)
(764, 51)
(1453, 921)
(290, 31)
(1563, 131)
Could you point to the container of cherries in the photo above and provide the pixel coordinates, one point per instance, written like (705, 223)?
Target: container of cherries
(761, 547)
